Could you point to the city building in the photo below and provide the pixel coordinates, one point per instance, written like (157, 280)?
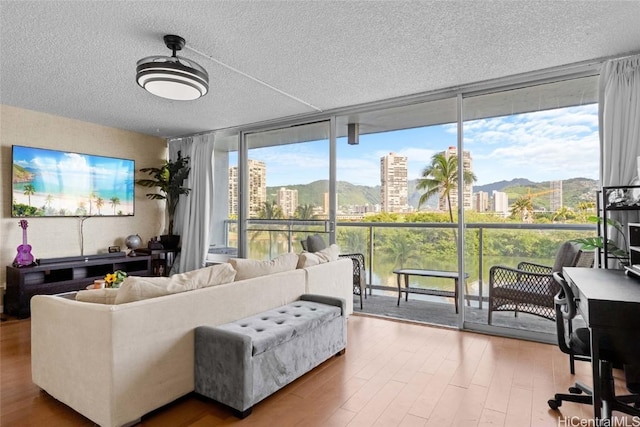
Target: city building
(481, 201)
(257, 187)
(500, 203)
(393, 183)
(288, 201)
(467, 201)
(556, 195)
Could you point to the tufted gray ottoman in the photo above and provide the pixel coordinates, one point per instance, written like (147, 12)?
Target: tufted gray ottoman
(240, 363)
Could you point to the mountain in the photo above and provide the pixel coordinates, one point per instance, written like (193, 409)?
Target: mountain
(501, 185)
(348, 194)
(574, 191)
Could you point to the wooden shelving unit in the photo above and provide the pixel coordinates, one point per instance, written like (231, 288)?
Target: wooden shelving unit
(64, 276)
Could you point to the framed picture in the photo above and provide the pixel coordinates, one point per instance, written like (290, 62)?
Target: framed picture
(159, 267)
(621, 198)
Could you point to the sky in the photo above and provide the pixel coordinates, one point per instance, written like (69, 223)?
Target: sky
(540, 146)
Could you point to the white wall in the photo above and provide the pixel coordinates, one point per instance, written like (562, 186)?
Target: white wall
(58, 237)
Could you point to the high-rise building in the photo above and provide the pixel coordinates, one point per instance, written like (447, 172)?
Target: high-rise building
(467, 201)
(288, 201)
(556, 195)
(481, 201)
(394, 188)
(500, 203)
(257, 187)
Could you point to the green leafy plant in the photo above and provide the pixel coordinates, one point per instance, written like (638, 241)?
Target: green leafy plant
(169, 179)
(597, 242)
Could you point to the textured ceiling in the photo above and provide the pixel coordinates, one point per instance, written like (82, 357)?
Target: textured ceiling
(77, 59)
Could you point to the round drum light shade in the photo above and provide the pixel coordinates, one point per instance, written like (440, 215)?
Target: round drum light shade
(172, 77)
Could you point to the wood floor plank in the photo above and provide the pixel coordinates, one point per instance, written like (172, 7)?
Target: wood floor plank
(392, 374)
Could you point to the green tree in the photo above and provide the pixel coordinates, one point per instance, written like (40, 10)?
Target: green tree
(562, 214)
(92, 196)
(99, 204)
(441, 178)
(115, 201)
(270, 210)
(29, 190)
(522, 208)
(304, 211)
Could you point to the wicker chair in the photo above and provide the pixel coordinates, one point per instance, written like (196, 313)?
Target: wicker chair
(359, 282)
(315, 243)
(530, 287)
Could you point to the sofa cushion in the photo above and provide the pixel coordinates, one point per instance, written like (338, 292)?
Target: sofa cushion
(308, 259)
(136, 288)
(98, 296)
(250, 268)
(271, 328)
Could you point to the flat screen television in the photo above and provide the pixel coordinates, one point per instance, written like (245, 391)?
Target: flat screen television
(52, 183)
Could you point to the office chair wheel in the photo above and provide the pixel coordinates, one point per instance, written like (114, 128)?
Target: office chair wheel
(554, 404)
(575, 390)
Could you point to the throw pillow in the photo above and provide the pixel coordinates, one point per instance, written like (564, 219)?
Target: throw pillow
(308, 259)
(203, 277)
(98, 296)
(138, 288)
(135, 288)
(250, 268)
(315, 243)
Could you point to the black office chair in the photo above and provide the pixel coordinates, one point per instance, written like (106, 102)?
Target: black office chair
(577, 344)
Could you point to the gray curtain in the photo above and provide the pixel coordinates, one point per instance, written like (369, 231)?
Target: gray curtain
(193, 215)
(619, 117)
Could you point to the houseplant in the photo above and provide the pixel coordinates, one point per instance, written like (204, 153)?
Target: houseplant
(169, 179)
(597, 242)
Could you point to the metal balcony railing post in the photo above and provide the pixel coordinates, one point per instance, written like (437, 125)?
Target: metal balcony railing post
(370, 259)
(480, 265)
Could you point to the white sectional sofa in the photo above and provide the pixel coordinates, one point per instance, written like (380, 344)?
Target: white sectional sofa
(115, 363)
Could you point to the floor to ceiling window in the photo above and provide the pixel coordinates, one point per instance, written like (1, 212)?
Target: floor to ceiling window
(536, 158)
(223, 240)
(528, 155)
(288, 188)
(390, 210)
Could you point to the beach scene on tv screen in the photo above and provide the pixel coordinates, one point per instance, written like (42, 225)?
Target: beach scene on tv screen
(57, 183)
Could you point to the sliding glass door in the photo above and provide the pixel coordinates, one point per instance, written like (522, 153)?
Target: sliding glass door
(287, 188)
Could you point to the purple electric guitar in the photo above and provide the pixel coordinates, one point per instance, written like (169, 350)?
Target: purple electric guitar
(24, 257)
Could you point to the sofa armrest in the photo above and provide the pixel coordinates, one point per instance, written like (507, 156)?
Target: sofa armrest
(333, 279)
(71, 353)
(328, 300)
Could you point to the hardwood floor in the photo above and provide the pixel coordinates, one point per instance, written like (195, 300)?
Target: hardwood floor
(392, 374)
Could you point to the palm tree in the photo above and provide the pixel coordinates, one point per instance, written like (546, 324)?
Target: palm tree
(304, 211)
(92, 196)
(29, 190)
(99, 204)
(584, 207)
(441, 178)
(270, 210)
(115, 201)
(401, 249)
(523, 208)
(563, 213)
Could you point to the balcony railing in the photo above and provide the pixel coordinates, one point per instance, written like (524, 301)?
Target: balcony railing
(388, 246)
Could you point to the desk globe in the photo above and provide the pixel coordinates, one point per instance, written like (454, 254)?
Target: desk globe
(133, 242)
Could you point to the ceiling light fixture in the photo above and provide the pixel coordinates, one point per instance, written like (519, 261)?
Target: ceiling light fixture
(172, 77)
